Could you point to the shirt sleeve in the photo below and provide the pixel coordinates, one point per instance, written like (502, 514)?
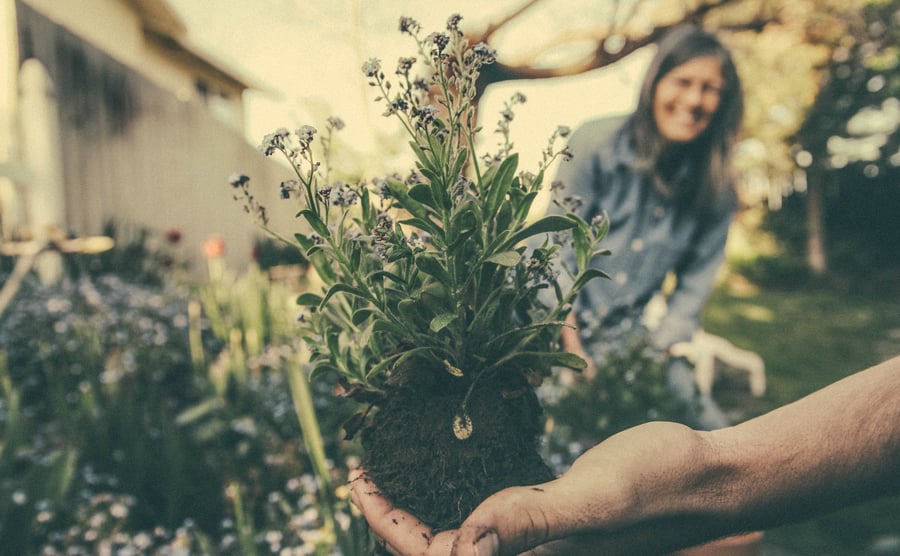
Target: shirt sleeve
(582, 175)
(696, 275)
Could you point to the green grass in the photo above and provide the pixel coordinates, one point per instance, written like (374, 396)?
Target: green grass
(810, 338)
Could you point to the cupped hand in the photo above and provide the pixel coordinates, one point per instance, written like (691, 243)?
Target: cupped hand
(588, 510)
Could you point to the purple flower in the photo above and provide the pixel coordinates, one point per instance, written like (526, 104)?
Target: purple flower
(484, 53)
(372, 67)
(409, 25)
(335, 123)
(306, 133)
(439, 40)
(453, 22)
(404, 64)
(238, 180)
(426, 115)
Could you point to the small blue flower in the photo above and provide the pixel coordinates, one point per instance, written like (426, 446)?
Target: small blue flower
(238, 180)
(372, 67)
(409, 25)
(306, 133)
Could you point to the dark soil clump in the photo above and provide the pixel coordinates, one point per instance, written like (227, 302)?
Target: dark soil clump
(418, 463)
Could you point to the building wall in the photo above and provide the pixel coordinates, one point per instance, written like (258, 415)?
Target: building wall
(137, 155)
(114, 27)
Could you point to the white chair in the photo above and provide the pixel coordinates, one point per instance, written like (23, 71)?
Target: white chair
(705, 349)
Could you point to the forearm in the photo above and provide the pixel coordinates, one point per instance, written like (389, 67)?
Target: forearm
(838, 446)
(659, 487)
(835, 447)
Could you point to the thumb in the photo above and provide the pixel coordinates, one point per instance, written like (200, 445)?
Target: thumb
(509, 522)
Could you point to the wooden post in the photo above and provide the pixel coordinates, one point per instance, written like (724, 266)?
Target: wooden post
(39, 134)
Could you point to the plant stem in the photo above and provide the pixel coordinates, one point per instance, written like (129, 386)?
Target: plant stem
(315, 446)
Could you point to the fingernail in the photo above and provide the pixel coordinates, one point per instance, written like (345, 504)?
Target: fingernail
(487, 544)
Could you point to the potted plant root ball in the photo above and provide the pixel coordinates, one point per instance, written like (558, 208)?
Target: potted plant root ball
(443, 297)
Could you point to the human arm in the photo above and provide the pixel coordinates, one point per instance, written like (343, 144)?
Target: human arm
(661, 486)
(695, 277)
(833, 448)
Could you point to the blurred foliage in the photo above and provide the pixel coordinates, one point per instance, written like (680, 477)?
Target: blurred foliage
(140, 256)
(268, 252)
(134, 420)
(851, 135)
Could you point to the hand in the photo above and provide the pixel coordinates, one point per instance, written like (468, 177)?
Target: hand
(397, 531)
(585, 511)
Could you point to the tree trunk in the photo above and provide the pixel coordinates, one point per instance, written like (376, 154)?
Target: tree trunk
(816, 254)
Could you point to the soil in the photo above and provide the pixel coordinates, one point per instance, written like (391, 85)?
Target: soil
(418, 463)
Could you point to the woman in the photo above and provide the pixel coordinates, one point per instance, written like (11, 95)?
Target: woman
(662, 176)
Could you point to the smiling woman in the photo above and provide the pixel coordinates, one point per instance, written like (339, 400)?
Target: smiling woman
(687, 99)
(662, 175)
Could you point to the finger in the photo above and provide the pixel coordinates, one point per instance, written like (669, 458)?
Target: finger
(402, 532)
(508, 522)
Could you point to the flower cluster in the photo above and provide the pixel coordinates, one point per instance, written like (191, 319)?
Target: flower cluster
(444, 270)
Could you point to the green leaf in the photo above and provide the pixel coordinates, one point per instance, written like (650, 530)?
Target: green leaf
(422, 155)
(460, 162)
(360, 316)
(440, 322)
(523, 206)
(422, 193)
(431, 266)
(381, 274)
(342, 288)
(309, 299)
(544, 359)
(401, 196)
(505, 258)
(588, 275)
(317, 258)
(427, 225)
(500, 184)
(463, 225)
(582, 247)
(366, 206)
(552, 223)
(410, 311)
(355, 255)
(387, 327)
(315, 222)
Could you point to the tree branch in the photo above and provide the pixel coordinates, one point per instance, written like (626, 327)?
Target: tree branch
(601, 56)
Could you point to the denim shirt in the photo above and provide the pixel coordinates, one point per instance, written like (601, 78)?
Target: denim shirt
(648, 237)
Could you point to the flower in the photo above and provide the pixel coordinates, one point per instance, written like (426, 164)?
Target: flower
(306, 133)
(372, 67)
(435, 272)
(404, 65)
(409, 25)
(214, 247)
(335, 123)
(173, 235)
(453, 22)
(484, 54)
(238, 180)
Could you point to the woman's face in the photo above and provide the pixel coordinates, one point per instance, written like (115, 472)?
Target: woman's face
(687, 97)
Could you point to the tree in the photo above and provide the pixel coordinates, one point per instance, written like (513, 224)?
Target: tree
(851, 131)
(798, 95)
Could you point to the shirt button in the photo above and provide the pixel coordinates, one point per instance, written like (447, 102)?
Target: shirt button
(659, 212)
(637, 245)
(621, 278)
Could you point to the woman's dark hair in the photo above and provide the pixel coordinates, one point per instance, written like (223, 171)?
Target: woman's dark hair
(709, 154)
